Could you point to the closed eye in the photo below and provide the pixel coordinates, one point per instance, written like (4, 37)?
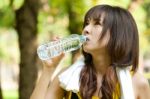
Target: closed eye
(98, 23)
(86, 23)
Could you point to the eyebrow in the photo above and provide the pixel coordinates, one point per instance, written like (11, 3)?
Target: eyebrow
(100, 20)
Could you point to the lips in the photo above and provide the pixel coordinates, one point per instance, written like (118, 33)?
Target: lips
(87, 39)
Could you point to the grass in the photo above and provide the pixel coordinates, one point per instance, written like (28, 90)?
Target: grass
(10, 94)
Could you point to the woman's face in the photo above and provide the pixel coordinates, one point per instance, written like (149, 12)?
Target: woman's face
(93, 31)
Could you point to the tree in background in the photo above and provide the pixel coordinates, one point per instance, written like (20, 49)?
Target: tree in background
(26, 26)
(0, 92)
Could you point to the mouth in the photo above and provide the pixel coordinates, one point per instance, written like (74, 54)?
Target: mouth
(87, 39)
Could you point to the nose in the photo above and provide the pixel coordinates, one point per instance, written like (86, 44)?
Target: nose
(87, 30)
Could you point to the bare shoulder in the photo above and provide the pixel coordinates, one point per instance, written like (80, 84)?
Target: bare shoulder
(141, 86)
(140, 80)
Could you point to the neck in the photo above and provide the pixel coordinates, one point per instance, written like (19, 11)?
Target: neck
(101, 61)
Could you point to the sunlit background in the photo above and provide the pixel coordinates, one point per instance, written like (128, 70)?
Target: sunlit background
(58, 18)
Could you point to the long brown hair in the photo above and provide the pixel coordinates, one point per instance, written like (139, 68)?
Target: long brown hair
(123, 48)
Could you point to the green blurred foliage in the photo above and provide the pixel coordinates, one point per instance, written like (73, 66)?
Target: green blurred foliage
(10, 94)
(15, 4)
(7, 15)
(4, 3)
(139, 15)
(146, 33)
(122, 3)
(54, 18)
(9, 51)
(58, 7)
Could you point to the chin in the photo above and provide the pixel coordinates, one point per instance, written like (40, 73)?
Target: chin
(86, 49)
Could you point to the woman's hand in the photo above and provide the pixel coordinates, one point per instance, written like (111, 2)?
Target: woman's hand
(53, 62)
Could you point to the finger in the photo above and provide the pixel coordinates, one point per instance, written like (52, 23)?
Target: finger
(47, 62)
(55, 38)
(57, 59)
(53, 61)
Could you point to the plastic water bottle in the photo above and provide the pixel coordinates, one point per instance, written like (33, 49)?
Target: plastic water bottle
(55, 48)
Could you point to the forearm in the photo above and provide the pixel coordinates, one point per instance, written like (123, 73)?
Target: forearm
(48, 68)
(42, 85)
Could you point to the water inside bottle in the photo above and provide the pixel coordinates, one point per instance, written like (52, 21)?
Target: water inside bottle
(52, 49)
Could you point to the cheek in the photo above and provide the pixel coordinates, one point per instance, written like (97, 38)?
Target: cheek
(104, 41)
(91, 46)
(87, 47)
(97, 32)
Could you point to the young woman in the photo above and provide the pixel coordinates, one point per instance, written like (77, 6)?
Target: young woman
(112, 42)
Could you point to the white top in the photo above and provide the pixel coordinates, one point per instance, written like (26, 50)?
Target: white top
(125, 80)
(69, 79)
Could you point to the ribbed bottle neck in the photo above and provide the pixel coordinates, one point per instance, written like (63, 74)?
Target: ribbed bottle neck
(83, 38)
